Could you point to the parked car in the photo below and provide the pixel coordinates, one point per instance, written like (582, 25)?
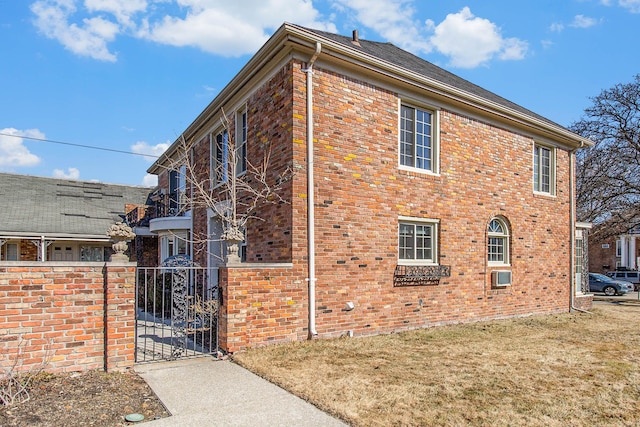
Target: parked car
(610, 287)
(627, 275)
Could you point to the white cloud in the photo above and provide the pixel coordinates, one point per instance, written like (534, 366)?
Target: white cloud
(470, 41)
(581, 21)
(150, 180)
(230, 28)
(392, 19)
(72, 173)
(13, 153)
(152, 152)
(123, 10)
(235, 28)
(89, 39)
(632, 5)
(547, 44)
(556, 27)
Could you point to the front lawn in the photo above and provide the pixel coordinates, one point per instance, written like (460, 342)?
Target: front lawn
(569, 369)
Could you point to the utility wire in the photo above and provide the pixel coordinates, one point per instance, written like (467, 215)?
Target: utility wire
(77, 145)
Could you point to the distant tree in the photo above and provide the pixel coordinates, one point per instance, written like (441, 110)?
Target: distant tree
(608, 174)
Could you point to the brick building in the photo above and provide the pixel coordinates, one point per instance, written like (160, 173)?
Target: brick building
(418, 198)
(621, 251)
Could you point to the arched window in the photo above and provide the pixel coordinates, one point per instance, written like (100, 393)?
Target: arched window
(498, 245)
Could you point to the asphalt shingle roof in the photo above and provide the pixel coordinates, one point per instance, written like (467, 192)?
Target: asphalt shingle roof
(390, 53)
(30, 204)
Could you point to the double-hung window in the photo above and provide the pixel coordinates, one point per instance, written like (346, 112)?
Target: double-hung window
(498, 245)
(417, 241)
(418, 141)
(241, 142)
(219, 158)
(177, 190)
(543, 169)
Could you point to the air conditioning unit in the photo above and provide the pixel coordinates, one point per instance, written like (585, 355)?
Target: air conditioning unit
(500, 278)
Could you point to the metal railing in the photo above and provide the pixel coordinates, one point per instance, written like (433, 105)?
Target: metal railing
(176, 312)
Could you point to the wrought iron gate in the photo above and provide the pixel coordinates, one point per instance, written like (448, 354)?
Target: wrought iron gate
(176, 311)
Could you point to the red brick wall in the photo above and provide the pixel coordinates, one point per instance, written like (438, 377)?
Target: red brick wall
(602, 259)
(263, 304)
(269, 115)
(58, 309)
(485, 170)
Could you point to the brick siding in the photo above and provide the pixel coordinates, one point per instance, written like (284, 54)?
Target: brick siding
(76, 317)
(360, 193)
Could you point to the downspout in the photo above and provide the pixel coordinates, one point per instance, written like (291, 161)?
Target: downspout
(572, 231)
(311, 236)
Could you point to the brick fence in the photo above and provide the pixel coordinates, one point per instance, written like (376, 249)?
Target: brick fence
(70, 316)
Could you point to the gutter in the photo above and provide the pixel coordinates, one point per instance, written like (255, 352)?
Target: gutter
(311, 236)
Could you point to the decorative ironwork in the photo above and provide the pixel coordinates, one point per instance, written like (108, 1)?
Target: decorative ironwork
(179, 303)
(420, 275)
(177, 310)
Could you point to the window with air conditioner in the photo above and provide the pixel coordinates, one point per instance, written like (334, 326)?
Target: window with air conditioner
(500, 278)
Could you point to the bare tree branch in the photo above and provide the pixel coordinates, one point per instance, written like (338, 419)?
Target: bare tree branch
(232, 187)
(608, 174)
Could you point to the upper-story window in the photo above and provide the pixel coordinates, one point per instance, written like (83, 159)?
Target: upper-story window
(418, 139)
(219, 158)
(543, 169)
(417, 240)
(177, 190)
(498, 244)
(241, 142)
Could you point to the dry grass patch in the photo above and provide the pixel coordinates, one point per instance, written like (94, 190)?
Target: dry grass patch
(570, 369)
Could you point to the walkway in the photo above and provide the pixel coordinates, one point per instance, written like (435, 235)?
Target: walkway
(209, 392)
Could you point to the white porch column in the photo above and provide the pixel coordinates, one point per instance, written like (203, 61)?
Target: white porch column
(632, 252)
(624, 256)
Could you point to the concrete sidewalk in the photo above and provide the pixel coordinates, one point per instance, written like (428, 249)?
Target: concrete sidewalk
(209, 392)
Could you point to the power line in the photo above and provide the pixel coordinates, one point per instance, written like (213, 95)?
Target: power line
(77, 145)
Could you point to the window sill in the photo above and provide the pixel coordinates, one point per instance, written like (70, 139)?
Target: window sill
(418, 170)
(543, 194)
(417, 263)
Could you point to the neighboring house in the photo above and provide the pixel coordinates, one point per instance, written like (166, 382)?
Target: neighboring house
(431, 201)
(616, 252)
(48, 219)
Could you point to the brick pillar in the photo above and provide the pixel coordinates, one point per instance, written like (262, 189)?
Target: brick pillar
(119, 316)
(223, 319)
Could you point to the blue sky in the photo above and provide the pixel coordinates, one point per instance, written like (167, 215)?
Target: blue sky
(131, 75)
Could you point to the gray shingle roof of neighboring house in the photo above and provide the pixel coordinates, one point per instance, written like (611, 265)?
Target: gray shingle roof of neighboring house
(34, 206)
(403, 59)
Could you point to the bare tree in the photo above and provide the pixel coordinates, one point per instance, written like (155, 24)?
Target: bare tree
(608, 174)
(234, 189)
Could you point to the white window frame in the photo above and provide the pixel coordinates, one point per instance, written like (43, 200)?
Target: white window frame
(170, 243)
(506, 242)
(618, 248)
(434, 224)
(539, 169)
(434, 136)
